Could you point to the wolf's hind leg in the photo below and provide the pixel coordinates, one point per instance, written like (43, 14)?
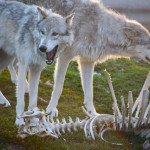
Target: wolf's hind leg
(86, 72)
(13, 72)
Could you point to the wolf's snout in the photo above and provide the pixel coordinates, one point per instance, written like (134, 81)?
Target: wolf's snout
(43, 48)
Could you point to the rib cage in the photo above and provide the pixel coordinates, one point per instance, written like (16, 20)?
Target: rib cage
(38, 123)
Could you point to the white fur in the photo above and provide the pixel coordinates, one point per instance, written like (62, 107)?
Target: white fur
(13, 72)
(22, 41)
(99, 34)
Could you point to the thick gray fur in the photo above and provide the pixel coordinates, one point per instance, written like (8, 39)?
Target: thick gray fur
(24, 31)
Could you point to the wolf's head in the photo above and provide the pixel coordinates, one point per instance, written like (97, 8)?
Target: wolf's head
(139, 39)
(54, 32)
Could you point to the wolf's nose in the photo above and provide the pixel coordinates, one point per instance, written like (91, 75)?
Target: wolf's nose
(43, 48)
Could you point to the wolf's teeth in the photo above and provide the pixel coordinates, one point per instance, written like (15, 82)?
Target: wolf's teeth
(49, 62)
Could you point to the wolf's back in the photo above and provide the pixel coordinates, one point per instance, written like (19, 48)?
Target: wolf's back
(17, 21)
(15, 12)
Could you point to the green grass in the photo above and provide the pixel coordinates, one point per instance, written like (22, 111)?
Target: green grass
(127, 75)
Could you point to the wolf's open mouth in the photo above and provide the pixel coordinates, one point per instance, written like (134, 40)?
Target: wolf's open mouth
(148, 59)
(51, 55)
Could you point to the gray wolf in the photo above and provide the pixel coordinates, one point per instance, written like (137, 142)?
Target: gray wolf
(35, 36)
(13, 69)
(99, 34)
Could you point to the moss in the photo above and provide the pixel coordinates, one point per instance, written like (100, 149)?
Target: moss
(126, 75)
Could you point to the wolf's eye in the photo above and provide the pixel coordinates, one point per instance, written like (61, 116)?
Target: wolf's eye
(54, 34)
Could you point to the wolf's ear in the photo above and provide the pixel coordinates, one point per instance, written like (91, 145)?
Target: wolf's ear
(69, 19)
(42, 14)
(132, 34)
(137, 34)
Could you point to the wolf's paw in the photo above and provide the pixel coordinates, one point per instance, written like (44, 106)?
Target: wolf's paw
(19, 122)
(91, 110)
(52, 112)
(5, 103)
(93, 113)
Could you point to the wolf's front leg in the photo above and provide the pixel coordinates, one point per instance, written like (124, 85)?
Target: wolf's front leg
(60, 71)
(13, 72)
(20, 93)
(3, 100)
(86, 71)
(34, 77)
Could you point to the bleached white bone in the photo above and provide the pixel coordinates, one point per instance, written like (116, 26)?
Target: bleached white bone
(70, 120)
(130, 104)
(91, 127)
(137, 103)
(112, 92)
(64, 120)
(143, 107)
(76, 124)
(147, 110)
(57, 128)
(148, 118)
(69, 125)
(123, 112)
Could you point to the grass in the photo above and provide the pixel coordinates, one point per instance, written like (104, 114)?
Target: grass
(127, 75)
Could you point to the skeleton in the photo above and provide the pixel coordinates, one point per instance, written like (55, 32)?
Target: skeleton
(38, 123)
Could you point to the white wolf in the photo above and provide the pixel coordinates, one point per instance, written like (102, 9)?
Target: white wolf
(99, 34)
(35, 36)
